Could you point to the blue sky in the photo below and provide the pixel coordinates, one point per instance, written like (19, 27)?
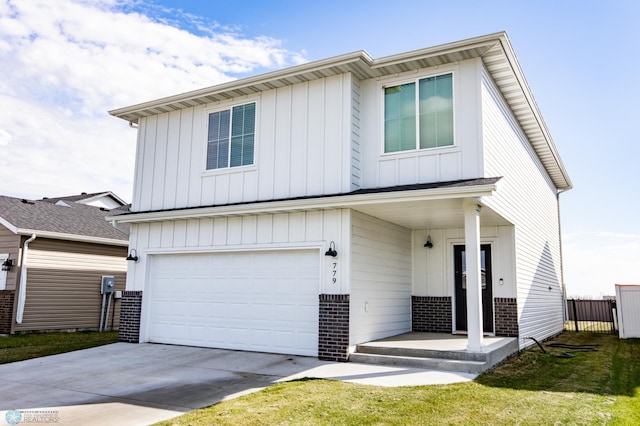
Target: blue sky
(65, 63)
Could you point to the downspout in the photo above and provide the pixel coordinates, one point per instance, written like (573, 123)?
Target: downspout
(22, 292)
(564, 287)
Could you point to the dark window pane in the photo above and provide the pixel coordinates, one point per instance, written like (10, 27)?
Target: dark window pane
(400, 118)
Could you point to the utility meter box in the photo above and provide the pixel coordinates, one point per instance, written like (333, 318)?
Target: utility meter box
(108, 285)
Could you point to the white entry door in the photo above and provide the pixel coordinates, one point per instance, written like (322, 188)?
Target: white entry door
(264, 301)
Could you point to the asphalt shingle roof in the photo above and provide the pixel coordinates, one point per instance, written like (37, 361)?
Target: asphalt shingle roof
(81, 197)
(76, 219)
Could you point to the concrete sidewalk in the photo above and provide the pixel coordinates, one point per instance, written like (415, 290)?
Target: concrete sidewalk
(134, 384)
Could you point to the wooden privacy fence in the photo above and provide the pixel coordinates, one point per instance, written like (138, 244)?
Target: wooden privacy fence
(595, 316)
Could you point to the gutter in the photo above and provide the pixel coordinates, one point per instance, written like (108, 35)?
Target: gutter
(22, 292)
(71, 237)
(564, 286)
(314, 203)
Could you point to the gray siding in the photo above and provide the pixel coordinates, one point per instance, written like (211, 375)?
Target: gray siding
(10, 244)
(63, 284)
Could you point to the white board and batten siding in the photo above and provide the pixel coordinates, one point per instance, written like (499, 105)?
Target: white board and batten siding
(283, 243)
(460, 161)
(628, 306)
(527, 198)
(356, 124)
(306, 144)
(433, 268)
(380, 279)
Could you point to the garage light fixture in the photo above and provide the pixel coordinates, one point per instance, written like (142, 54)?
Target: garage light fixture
(133, 255)
(7, 265)
(332, 250)
(428, 244)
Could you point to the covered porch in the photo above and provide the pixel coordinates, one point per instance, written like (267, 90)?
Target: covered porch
(437, 351)
(427, 265)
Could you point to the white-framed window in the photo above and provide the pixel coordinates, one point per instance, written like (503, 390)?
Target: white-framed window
(419, 114)
(3, 274)
(231, 137)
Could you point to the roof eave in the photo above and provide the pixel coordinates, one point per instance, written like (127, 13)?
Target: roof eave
(10, 226)
(73, 237)
(241, 87)
(319, 203)
(565, 183)
(495, 46)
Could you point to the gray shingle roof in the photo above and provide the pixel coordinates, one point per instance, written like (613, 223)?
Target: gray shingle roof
(76, 219)
(83, 196)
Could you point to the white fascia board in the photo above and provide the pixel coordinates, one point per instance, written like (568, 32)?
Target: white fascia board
(441, 49)
(510, 55)
(323, 203)
(73, 237)
(8, 225)
(248, 81)
(113, 196)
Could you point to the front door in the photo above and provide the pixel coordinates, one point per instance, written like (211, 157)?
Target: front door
(459, 263)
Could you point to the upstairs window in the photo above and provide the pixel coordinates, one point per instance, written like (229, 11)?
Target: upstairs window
(231, 137)
(419, 115)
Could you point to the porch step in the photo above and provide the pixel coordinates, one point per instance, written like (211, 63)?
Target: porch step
(372, 348)
(460, 366)
(422, 350)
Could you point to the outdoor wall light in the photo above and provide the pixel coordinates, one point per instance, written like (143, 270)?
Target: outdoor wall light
(133, 255)
(428, 244)
(501, 281)
(332, 250)
(7, 265)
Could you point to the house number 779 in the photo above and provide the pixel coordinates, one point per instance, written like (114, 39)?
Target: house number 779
(334, 272)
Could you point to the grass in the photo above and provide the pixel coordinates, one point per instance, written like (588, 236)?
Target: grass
(589, 326)
(19, 347)
(531, 388)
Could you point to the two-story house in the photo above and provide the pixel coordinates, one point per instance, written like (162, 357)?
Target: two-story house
(313, 208)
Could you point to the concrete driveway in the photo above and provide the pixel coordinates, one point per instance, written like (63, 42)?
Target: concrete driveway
(132, 384)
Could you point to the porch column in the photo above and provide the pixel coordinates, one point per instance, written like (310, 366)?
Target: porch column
(474, 282)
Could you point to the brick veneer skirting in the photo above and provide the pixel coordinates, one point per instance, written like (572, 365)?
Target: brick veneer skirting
(506, 316)
(431, 314)
(333, 327)
(6, 310)
(130, 308)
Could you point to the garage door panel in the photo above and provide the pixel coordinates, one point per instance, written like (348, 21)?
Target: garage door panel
(262, 301)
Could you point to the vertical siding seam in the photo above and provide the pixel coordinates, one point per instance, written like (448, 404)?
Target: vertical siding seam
(177, 160)
(139, 164)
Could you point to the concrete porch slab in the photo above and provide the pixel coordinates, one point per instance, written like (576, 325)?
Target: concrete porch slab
(435, 350)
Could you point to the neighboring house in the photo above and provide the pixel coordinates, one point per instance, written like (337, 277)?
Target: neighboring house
(56, 252)
(107, 200)
(313, 208)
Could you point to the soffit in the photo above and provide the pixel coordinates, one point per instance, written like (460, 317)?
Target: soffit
(494, 49)
(434, 214)
(358, 63)
(420, 206)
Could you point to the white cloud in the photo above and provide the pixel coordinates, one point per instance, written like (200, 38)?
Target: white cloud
(66, 63)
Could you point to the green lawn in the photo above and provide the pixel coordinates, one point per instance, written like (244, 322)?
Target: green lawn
(590, 326)
(531, 388)
(19, 347)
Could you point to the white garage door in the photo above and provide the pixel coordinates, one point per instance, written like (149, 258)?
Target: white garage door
(263, 301)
